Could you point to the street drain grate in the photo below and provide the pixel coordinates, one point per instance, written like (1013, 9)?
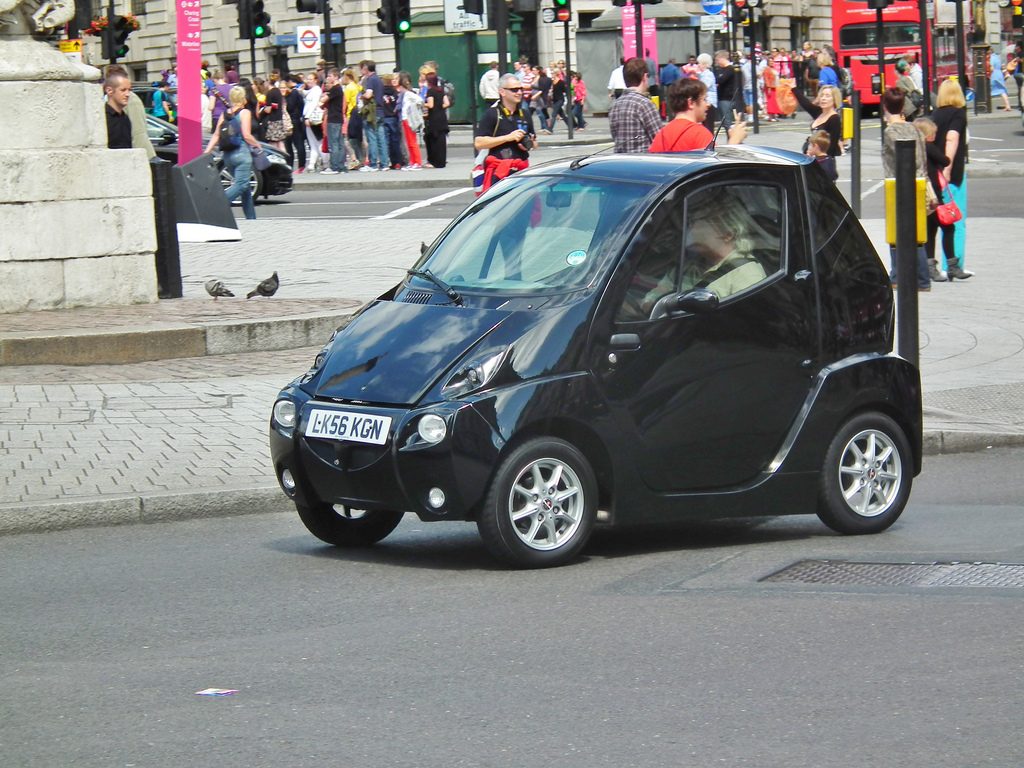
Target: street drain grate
(841, 572)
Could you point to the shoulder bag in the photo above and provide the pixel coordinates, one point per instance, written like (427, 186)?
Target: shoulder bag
(946, 213)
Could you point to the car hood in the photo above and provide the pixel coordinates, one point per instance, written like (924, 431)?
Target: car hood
(394, 352)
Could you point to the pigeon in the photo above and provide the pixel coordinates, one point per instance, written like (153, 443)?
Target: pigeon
(266, 288)
(217, 288)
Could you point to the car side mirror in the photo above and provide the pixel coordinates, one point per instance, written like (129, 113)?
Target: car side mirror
(168, 137)
(699, 300)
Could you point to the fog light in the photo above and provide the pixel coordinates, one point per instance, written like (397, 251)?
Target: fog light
(432, 428)
(435, 498)
(284, 413)
(287, 480)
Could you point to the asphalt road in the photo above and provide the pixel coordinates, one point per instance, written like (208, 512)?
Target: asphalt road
(660, 648)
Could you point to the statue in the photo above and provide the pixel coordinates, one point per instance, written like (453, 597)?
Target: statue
(34, 17)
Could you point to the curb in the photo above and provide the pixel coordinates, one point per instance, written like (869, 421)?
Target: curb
(172, 341)
(126, 510)
(235, 502)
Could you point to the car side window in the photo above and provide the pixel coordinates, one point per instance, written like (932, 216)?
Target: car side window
(727, 238)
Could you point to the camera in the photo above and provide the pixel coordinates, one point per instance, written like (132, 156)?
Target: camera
(526, 143)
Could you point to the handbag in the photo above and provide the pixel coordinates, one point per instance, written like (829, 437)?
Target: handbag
(289, 125)
(260, 159)
(946, 213)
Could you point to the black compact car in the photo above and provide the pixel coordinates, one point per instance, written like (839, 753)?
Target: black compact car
(615, 339)
(276, 180)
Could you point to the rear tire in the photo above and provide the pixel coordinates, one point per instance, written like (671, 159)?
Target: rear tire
(866, 477)
(541, 506)
(348, 527)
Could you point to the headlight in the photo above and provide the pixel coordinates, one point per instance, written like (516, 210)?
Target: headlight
(432, 428)
(474, 375)
(285, 413)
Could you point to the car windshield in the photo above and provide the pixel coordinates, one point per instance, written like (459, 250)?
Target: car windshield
(536, 234)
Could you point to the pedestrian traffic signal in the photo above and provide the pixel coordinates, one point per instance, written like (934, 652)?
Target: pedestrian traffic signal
(386, 25)
(260, 20)
(244, 19)
(403, 16)
(123, 29)
(310, 6)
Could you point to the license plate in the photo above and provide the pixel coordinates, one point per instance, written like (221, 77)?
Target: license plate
(345, 425)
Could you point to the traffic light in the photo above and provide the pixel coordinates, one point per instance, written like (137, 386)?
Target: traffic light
(310, 6)
(403, 14)
(123, 30)
(1017, 21)
(563, 10)
(741, 12)
(386, 25)
(260, 20)
(476, 7)
(107, 43)
(244, 19)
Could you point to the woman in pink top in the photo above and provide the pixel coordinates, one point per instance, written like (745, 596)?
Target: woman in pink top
(579, 95)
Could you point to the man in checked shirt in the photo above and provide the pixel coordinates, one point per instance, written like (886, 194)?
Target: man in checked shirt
(633, 118)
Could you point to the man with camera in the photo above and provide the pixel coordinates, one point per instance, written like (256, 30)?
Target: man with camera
(505, 133)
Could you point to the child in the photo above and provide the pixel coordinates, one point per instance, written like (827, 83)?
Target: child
(817, 147)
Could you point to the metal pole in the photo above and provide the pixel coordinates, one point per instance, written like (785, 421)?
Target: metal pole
(109, 31)
(168, 257)
(753, 74)
(906, 251)
(328, 46)
(252, 54)
(879, 34)
(569, 94)
(855, 154)
(474, 82)
(500, 15)
(398, 53)
(961, 66)
(925, 35)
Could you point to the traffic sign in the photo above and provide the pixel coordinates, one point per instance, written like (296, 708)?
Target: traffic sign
(712, 6)
(308, 39)
(547, 15)
(457, 20)
(715, 23)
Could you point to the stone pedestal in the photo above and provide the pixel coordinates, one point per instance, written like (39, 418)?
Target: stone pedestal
(76, 219)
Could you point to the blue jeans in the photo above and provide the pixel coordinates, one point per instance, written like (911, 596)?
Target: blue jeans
(377, 145)
(238, 163)
(393, 132)
(336, 147)
(577, 115)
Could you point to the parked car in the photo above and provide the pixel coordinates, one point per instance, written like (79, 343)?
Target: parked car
(659, 338)
(276, 180)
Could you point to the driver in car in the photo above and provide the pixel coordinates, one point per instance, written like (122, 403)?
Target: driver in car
(719, 249)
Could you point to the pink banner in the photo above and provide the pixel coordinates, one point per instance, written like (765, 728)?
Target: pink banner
(650, 33)
(190, 82)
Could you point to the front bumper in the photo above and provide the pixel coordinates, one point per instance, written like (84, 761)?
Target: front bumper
(398, 475)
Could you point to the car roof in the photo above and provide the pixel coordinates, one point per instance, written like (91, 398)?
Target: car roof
(666, 168)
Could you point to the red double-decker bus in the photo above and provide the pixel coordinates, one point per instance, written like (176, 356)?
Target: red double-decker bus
(855, 39)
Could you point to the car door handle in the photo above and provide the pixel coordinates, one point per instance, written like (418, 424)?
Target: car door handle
(801, 276)
(625, 342)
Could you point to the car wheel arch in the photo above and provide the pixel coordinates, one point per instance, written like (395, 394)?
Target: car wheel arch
(581, 436)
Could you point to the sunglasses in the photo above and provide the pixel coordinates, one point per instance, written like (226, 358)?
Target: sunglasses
(512, 89)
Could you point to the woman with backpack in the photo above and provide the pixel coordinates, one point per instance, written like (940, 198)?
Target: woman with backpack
(233, 136)
(412, 121)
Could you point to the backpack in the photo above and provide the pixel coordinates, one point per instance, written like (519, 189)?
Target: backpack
(449, 89)
(845, 81)
(230, 135)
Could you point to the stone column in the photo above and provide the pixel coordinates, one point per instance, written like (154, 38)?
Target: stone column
(76, 219)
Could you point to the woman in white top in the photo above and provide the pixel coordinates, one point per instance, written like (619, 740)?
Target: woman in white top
(313, 116)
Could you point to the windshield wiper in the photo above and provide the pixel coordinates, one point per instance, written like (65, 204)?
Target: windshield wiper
(426, 274)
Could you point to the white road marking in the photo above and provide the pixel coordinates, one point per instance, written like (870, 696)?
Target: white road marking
(983, 138)
(872, 189)
(422, 204)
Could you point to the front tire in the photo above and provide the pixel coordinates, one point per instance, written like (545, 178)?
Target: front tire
(867, 476)
(346, 527)
(541, 506)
